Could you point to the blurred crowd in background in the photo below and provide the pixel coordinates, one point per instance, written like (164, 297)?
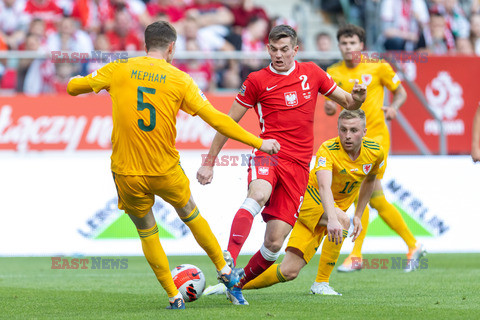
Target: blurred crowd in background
(438, 27)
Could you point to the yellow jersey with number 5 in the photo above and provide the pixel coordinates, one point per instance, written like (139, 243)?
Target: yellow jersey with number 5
(347, 174)
(375, 76)
(146, 96)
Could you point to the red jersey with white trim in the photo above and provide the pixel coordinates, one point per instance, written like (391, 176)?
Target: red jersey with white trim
(285, 105)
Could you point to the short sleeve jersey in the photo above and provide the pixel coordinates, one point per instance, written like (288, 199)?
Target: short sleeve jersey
(146, 96)
(347, 174)
(375, 76)
(285, 105)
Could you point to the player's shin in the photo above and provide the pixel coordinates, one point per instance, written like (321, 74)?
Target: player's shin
(205, 238)
(269, 277)
(157, 259)
(260, 262)
(241, 226)
(328, 258)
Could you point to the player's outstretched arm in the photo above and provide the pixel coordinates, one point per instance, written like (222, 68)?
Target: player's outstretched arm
(350, 101)
(334, 228)
(398, 99)
(78, 85)
(205, 173)
(364, 195)
(229, 128)
(476, 136)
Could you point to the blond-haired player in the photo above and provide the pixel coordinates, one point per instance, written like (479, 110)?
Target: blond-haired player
(147, 93)
(345, 166)
(375, 75)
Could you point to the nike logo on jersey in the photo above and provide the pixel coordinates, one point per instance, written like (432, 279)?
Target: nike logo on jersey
(268, 89)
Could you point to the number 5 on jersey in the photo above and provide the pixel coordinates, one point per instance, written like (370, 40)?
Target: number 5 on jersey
(145, 105)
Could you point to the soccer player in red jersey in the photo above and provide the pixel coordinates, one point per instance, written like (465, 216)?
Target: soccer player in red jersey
(284, 96)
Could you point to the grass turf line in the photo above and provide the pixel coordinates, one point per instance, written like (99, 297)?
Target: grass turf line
(448, 288)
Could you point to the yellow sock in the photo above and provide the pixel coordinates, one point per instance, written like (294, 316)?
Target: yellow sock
(157, 259)
(205, 238)
(268, 278)
(392, 218)
(328, 258)
(357, 246)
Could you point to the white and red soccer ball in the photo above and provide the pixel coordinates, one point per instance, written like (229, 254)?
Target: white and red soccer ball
(189, 280)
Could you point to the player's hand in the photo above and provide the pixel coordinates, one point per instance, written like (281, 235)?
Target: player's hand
(205, 174)
(359, 92)
(270, 146)
(357, 228)
(390, 112)
(475, 154)
(330, 107)
(335, 229)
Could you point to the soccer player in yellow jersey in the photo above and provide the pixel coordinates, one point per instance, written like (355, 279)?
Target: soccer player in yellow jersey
(376, 76)
(345, 167)
(147, 93)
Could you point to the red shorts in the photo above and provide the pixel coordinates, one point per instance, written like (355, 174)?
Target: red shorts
(289, 181)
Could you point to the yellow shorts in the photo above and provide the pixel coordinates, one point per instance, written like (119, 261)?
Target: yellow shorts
(303, 239)
(306, 235)
(136, 194)
(383, 138)
(312, 210)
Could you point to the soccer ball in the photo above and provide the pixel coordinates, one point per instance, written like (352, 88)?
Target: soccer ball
(189, 280)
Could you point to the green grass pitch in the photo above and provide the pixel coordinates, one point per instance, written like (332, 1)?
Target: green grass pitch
(448, 289)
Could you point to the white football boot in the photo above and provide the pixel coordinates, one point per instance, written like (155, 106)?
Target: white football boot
(323, 288)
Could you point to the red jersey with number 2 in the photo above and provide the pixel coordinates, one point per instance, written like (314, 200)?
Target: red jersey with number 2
(285, 105)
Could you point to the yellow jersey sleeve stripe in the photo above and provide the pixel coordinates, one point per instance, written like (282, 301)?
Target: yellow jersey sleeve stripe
(370, 142)
(334, 146)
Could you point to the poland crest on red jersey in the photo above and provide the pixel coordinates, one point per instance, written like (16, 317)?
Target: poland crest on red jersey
(263, 171)
(291, 98)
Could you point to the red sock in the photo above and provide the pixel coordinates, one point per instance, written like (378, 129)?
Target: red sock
(255, 267)
(241, 225)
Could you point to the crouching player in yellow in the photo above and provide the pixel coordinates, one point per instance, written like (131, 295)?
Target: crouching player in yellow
(147, 93)
(345, 167)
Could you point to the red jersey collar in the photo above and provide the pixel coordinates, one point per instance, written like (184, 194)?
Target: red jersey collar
(286, 73)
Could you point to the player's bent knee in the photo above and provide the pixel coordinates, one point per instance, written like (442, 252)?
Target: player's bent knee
(273, 245)
(259, 196)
